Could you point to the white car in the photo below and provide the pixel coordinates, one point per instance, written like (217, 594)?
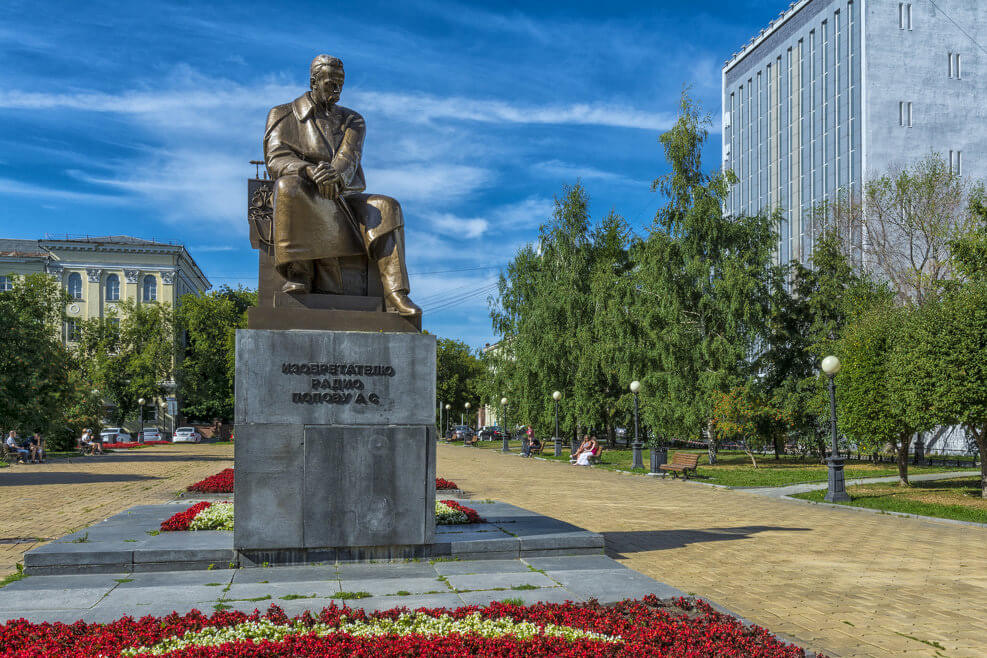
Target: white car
(186, 435)
(151, 434)
(114, 435)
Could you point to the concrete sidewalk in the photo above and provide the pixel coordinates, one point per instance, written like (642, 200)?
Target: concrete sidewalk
(437, 583)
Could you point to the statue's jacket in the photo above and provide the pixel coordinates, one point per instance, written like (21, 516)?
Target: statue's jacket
(306, 225)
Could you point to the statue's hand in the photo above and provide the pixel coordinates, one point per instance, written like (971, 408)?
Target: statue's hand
(322, 174)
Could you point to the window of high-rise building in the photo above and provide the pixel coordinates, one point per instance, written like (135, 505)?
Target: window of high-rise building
(909, 108)
(956, 162)
(904, 15)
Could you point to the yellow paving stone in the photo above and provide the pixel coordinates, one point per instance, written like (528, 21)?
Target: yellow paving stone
(65, 495)
(797, 569)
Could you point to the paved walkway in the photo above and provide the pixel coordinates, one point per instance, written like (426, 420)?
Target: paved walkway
(792, 489)
(838, 581)
(62, 496)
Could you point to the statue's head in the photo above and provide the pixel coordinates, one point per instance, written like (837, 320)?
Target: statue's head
(326, 77)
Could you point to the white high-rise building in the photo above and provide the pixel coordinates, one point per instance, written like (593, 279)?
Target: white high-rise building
(834, 92)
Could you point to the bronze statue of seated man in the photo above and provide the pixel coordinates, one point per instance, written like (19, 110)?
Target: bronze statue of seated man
(312, 148)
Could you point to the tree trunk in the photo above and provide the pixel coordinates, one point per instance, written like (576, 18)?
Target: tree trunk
(750, 453)
(903, 442)
(711, 442)
(777, 442)
(981, 439)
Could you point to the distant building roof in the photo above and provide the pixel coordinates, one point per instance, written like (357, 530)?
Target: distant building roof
(21, 248)
(111, 239)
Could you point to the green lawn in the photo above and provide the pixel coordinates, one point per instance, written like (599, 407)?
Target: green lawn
(734, 467)
(946, 499)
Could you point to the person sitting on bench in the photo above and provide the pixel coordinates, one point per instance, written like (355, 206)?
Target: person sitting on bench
(586, 451)
(533, 445)
(12, 446)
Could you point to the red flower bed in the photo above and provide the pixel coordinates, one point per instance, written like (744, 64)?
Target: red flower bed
(468, 511)
(181, 520)
(222, 482)
(649, 627)
(135, 444)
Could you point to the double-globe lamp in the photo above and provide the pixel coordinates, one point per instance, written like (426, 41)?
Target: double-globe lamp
(836, 489)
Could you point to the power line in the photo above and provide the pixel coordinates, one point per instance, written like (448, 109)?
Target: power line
(461, 298)
(958, 26)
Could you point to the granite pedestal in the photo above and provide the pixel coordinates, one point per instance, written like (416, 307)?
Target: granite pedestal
(335, 445)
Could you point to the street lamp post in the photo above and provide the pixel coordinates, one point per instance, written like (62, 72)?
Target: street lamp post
(558, 440)
(466, 423)
(448, 409)
(140, 428)
(503, 405)
(636, 447)
(836, 491)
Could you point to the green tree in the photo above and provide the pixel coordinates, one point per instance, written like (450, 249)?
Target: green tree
(871, 408)
(128, 355)
(809, 309)
(459, 373)
(606, 367)
(942, 366)
(36, 384)
(541, 312)
(703, 279)
(207, 324)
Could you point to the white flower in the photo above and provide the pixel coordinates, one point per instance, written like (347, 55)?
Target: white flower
(405, 624)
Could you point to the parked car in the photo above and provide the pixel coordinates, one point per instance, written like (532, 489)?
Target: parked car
(151, 434)
(463, 432)
(491, 433)
(186, 435)
(114, 435)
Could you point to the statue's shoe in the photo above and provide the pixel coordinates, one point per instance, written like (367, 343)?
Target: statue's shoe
(294, 287)
(402, 305)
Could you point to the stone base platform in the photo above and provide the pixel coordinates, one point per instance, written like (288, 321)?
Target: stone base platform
(129, 542)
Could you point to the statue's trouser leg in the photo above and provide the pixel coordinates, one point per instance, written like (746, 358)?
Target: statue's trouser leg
(389, 254)
(328, 277)
(299, 276)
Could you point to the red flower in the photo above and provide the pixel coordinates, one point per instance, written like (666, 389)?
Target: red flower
(441, 483)
(222, 482)
(649, 627)
(182, 520)
(134, 444)
(468, 511)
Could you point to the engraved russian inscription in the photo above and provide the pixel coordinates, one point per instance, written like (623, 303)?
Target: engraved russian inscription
(336, 383)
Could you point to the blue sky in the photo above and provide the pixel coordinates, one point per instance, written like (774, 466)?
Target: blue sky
(139, 118)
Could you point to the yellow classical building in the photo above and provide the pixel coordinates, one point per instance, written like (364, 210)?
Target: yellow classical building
(100, 272)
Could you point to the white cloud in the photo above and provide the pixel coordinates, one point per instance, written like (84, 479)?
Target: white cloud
(570, 172)
(435, 183)
(11, 187)
(459, 227)
(423, 107)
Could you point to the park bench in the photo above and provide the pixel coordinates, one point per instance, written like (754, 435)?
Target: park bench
(8, 455)
(682, 462)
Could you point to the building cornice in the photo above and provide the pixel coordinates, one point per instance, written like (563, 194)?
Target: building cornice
(773, 26)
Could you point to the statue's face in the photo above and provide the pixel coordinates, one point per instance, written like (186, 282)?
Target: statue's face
(327, 86)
